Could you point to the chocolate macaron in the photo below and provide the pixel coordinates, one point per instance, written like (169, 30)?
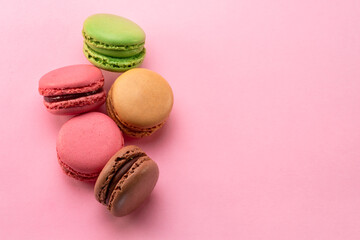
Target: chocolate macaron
(126, 181)
(140, 102)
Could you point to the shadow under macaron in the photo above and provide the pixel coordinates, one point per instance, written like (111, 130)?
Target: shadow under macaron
(158, 138)
(142, 217)
(110, 78)
(76, 184)
(58, 120)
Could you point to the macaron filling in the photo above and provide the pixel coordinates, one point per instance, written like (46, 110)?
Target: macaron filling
(120, 173)
(66, 97)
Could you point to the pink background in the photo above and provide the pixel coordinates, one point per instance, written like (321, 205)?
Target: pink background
(262, 143)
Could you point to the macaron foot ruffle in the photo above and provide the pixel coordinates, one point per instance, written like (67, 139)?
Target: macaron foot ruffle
(85, 177)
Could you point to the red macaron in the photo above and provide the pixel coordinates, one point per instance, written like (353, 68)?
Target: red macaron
(73, 89)
(85, 144)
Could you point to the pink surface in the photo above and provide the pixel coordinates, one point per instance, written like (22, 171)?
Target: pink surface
(262, 143)
(86, 142)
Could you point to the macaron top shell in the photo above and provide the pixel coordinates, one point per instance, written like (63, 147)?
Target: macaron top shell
(135, 189)
(87, 141)
(105, 30)
(142, 98)
(69, 77)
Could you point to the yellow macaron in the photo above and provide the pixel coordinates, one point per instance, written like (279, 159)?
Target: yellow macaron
(140, 102)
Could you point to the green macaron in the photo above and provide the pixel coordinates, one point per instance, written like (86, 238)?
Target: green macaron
(113, 43)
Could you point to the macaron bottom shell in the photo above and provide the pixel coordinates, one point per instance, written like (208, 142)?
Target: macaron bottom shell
(112, 63)
(76, 106)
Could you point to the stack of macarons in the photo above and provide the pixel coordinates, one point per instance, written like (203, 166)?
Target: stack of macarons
(90, 146)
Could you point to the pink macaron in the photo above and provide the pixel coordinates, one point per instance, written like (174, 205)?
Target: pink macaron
(73, 89)
(85, 143)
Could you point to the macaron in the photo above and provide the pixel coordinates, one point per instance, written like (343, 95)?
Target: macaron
(126, 181)
(85, 143)
(139, 101)
(113, 43)
(72, 89)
